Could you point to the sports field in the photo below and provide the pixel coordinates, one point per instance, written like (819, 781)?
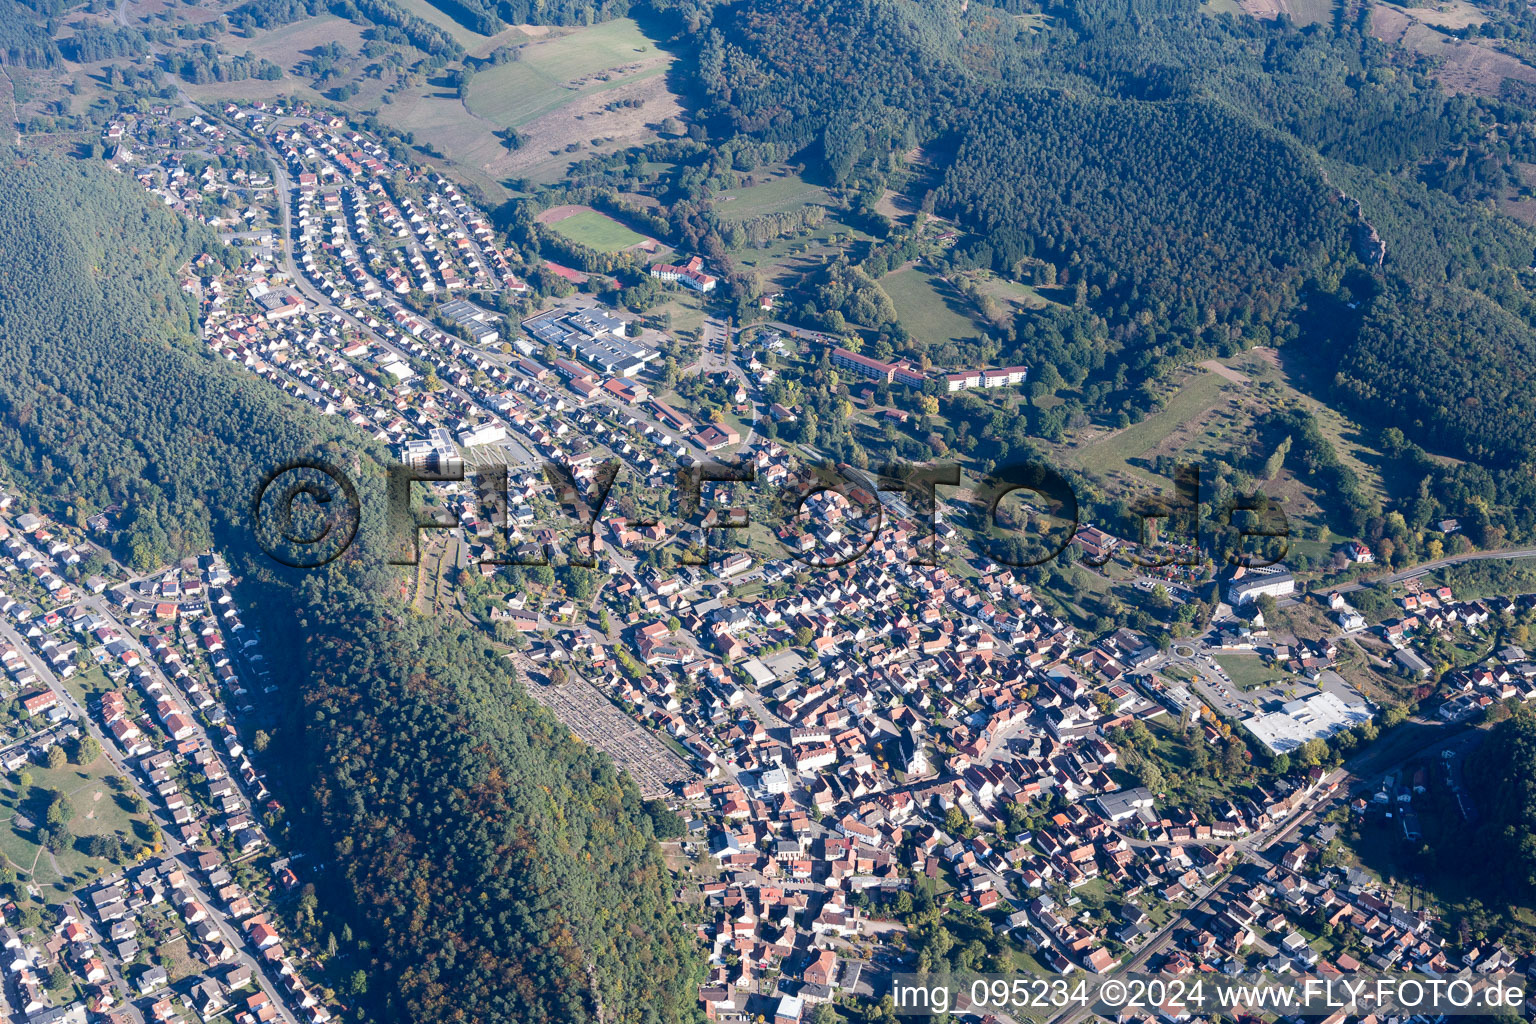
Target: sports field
(596, 230)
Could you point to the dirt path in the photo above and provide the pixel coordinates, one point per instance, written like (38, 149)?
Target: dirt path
(1223, 370)
(555, 214)
(8, 102)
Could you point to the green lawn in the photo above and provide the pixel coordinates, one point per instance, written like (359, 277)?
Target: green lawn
(1247, 670)
(928, 306)
(100, 808)
(597, 231)
(687, 310)
(89, 685)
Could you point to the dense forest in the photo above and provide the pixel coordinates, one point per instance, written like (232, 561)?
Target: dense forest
(24, 39)
(487, 866)
(1177, 206)
(1501, 772)
(496, 858)
(1190, 184)
(1446, 362)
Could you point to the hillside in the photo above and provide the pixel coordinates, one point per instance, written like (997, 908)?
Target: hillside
(1502, 772)
(472, 842)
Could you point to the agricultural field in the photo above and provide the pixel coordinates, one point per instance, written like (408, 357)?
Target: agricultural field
(1302, 12)
(549, 69)
(592, 228)
(928, 306)
(571, 93)
(1451, 15)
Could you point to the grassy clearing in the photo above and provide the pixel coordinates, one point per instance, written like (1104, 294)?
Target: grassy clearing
(1247, 670)
(597, 230)
(1291, 373)
(783, 261)
(1451, 15)
(473, 42)
(1013, 292)
(928, 306)
(554, 70)
(1193, 399)
(287, 45)
(100, 808)
(778, 194)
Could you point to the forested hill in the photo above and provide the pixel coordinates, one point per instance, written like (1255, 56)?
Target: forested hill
(1203, 183)
(104, 394)
(475, 826)
(1501, 774)
(486, 866)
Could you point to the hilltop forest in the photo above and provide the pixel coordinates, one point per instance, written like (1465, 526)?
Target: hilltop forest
(1199, 184)
(486, 866)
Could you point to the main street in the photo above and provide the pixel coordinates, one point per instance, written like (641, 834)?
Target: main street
(1424, 568)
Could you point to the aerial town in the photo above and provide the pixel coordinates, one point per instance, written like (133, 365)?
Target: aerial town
(168, 895)
(880, 743)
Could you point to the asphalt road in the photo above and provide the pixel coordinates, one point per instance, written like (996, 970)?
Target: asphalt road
(1428, 567)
